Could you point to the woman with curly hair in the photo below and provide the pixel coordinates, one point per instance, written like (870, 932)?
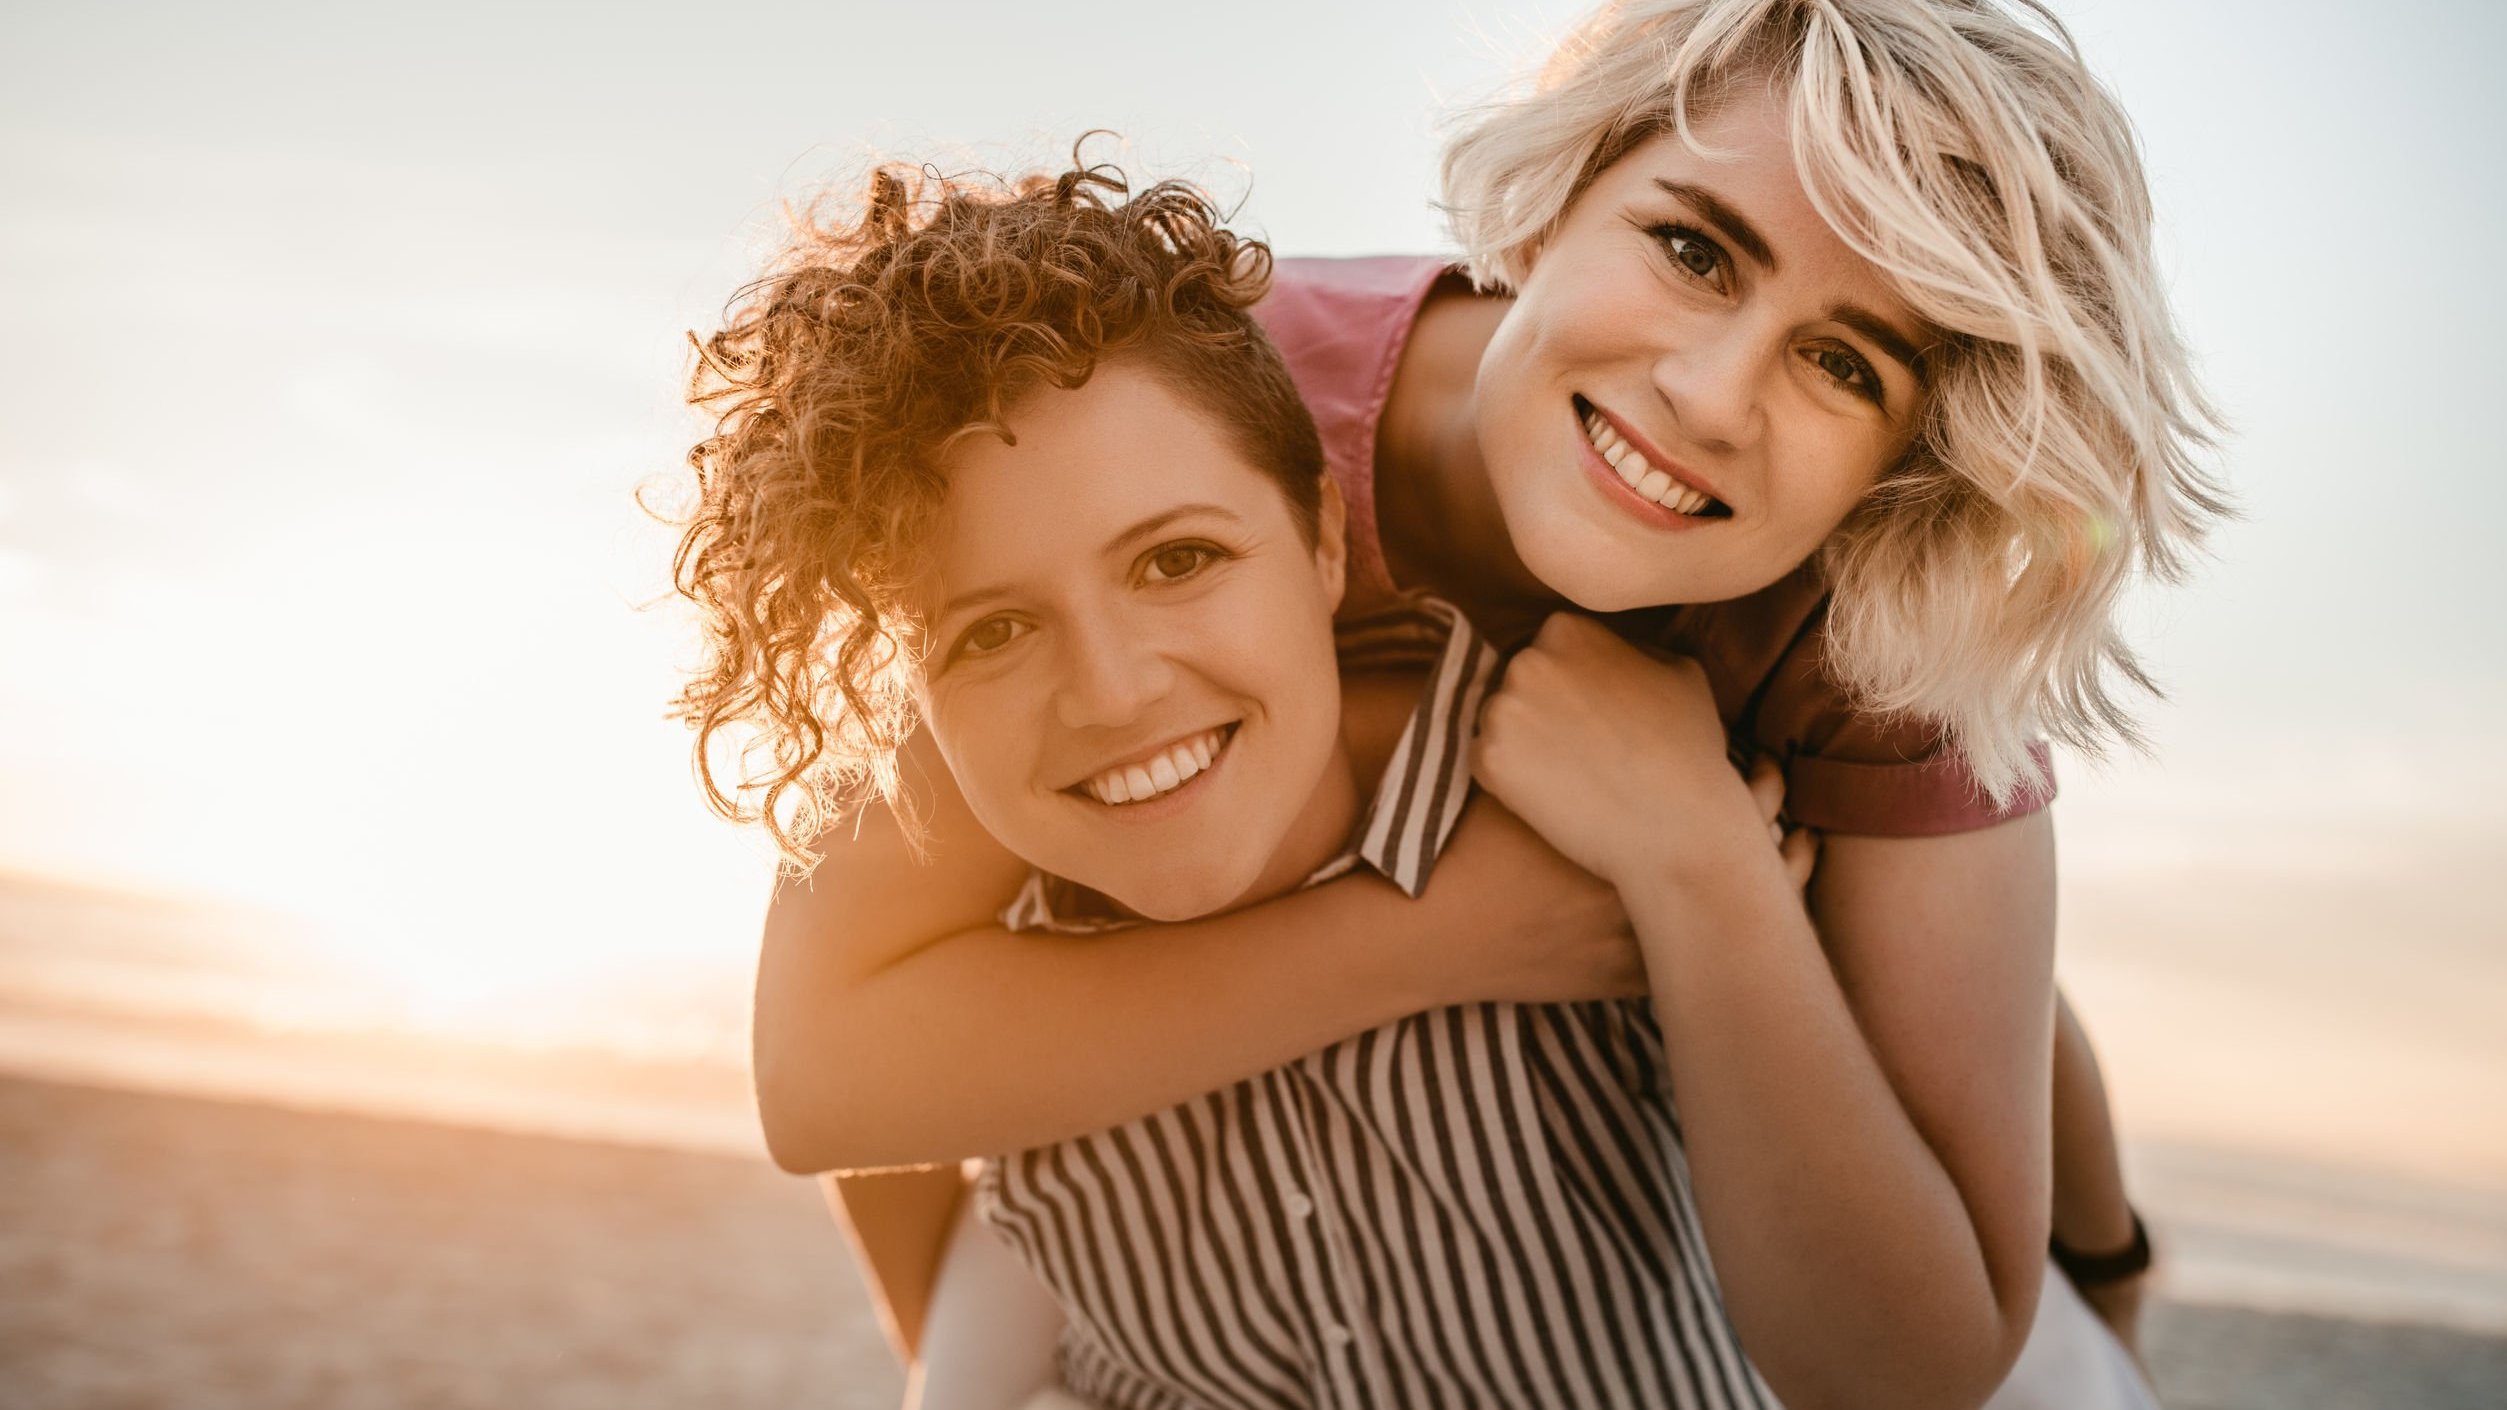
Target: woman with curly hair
(1840, 317)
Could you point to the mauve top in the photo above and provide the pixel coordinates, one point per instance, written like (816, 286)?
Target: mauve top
(1342, 324)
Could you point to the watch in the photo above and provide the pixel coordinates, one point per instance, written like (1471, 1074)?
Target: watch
(2090, 1270)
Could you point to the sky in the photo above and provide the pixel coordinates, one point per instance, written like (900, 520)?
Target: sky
(340, 339)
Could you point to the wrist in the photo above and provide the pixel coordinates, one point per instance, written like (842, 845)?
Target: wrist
(1719, 837)
(1711, 889)
(2106, 1226)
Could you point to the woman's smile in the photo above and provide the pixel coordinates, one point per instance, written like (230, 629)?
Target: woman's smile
(1635, 475)
(1166, 774)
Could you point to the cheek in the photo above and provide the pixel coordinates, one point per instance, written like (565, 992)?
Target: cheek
(1835, 471)
(983, 746)
(1500, 375)
(1283, 656)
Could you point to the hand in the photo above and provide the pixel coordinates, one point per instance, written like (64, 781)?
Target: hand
(1616, 758)
(1799, 846)
(1518, 923)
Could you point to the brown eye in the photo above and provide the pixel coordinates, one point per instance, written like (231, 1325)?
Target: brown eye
(1697, 256)
(1176, 561)
(1849, 372)
(990, 634)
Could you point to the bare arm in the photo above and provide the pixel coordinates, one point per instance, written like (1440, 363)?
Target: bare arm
(1864, 1101)
(1866, 1120)
(2091, 1213)
(897, 1024)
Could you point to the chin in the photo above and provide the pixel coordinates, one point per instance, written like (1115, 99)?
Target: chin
(1597, 581)
(1173, 896)
(1595, 588)
(1600, 574)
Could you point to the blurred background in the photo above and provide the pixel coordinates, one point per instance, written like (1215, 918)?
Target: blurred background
(373, 981)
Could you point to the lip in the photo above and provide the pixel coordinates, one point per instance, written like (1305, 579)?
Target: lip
(1618, 491)
(1165, 804)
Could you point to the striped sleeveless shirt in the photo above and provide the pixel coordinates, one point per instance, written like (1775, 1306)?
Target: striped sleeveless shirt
(1479, 1206)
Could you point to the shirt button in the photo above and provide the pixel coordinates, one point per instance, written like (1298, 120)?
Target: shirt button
(1337, 1335)
(1299, 1207)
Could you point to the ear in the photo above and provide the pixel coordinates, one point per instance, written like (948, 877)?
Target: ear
(1331, 542)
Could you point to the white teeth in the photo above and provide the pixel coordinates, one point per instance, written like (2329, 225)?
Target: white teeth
(1653, 484)
(1163, 773)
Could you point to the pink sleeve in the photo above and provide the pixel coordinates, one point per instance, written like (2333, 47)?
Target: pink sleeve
(1920, 798)
(1341, 324)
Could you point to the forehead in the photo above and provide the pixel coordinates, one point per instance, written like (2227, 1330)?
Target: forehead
(1089, 464)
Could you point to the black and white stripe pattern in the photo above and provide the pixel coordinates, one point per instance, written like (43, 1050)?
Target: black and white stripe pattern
(1483, 1206)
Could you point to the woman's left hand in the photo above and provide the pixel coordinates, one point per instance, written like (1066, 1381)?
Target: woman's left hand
(1616, 758)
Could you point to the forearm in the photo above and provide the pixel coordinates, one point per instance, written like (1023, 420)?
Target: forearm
(2091, 1213)
(992, 1041)
(1852, 1261)
(1864, 1103)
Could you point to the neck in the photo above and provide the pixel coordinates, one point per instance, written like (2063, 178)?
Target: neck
(1436, 512)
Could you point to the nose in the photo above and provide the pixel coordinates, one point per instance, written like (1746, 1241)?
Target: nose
(1110, 672)
(1715, 381)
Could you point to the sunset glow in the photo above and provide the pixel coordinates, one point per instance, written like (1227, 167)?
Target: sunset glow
(340, 649)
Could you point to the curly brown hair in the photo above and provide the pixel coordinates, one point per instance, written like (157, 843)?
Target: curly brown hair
(840, 381)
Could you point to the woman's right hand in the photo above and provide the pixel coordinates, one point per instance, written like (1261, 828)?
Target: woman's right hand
(1528, 926)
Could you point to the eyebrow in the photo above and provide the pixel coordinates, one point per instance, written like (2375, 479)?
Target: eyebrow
(975, 597)
(1729, 223)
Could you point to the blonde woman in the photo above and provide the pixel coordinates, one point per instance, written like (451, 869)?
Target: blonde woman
(1839, 316)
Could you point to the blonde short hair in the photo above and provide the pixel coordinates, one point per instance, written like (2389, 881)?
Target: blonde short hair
(1963, 148)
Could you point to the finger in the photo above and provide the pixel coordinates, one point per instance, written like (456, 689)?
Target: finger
(1800, 850)
(1767, 788)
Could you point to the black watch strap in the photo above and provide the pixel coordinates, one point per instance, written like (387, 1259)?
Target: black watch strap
(2089, 1270)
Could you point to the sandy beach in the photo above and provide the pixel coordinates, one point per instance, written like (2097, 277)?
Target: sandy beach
(168, 1251)
(173, 1251)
